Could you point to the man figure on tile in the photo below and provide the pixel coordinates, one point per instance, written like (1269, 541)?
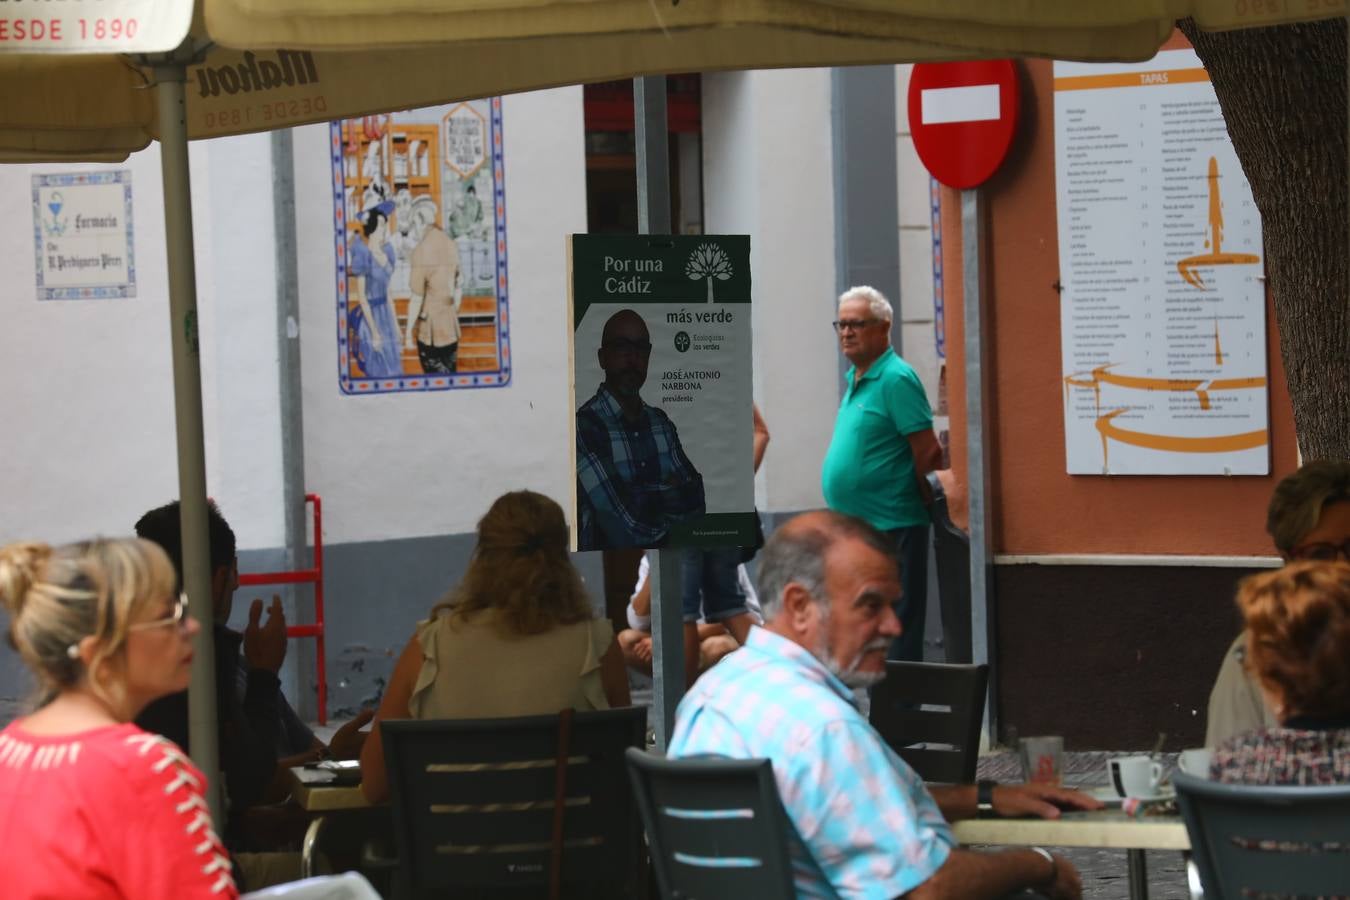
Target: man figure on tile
(433, 311)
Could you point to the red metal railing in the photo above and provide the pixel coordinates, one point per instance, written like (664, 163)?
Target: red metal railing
(312, 576)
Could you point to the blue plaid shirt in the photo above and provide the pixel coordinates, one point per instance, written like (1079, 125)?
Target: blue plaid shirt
(633, 481)
(863, 824)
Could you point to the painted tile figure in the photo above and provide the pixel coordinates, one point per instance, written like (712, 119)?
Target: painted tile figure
(371, 259)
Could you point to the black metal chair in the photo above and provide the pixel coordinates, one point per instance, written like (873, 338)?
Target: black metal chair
(951, 550)
(930, 713)
(1252, 840)
(715, 826)
(536, 806)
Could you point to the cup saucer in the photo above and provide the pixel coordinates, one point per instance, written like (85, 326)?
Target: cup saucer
(1107, 794)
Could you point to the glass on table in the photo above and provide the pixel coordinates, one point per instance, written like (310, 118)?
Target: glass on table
(1042, 759)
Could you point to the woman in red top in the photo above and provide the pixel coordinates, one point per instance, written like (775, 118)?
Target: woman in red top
(90, 805)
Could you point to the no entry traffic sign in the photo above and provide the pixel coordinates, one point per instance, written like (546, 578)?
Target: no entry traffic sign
(962, 116)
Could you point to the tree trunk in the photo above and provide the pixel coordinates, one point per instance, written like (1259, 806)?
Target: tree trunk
(1282, 91)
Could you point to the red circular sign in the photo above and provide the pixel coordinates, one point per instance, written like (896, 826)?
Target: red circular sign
(962, 116)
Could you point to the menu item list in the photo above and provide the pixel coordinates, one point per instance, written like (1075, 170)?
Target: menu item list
(1163, 304)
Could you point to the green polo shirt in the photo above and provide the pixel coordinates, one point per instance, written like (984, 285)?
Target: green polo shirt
(869, 468)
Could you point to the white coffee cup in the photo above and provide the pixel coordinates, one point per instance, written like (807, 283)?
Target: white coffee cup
(1135, 776)
(1195, 762)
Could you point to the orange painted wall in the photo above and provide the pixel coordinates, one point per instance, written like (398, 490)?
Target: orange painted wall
(1037, 507)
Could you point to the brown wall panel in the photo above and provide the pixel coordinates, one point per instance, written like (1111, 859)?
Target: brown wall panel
(1037, 507)
(1109, 656)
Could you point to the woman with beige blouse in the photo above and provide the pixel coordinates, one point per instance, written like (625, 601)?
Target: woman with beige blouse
(515, 638)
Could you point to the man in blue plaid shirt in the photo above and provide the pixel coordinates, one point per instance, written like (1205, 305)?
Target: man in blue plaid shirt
(634, 480)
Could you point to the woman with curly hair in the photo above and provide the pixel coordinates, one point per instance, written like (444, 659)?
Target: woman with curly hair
(515, 638)
(91, 805)
(1298, 649)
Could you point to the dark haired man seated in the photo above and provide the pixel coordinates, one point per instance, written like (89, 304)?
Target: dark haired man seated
(260, 736)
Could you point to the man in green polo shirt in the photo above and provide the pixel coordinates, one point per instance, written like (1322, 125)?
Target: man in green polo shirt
(882, 448)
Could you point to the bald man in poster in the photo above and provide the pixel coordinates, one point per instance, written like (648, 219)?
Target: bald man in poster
(634, 480)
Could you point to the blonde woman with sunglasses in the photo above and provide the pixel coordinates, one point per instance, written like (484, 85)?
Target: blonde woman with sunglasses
(91, 805)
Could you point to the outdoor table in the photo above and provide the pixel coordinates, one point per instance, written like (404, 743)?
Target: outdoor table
(313, 795)
(1109, 828)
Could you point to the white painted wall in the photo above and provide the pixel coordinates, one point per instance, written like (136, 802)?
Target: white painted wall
(916, 248)
(89, 440)
(405, 465)
(766, 163)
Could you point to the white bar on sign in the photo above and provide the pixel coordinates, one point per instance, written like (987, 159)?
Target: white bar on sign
(976, 103)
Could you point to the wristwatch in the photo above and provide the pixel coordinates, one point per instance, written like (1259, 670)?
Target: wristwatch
(984, 798)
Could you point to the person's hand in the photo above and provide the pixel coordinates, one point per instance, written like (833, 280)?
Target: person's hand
(376, 340)
(1066, 884)
(408, 343)
(265, 645)
(348, 740)
(1040, 800)
(643, 650)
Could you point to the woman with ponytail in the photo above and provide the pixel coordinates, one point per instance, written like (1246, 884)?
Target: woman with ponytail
(516, 637)
(91, 805)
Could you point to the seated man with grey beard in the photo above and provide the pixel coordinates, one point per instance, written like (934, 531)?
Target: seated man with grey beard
(863, 823)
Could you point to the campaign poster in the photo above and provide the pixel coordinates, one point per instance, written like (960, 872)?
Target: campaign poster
(661, 386)
(84, 243)
(420, 217)
(1163, 309)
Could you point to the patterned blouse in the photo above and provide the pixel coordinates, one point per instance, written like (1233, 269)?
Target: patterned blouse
(114, 812)
(1299, 753)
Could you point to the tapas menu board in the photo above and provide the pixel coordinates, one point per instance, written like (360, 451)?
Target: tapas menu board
(1163, 329)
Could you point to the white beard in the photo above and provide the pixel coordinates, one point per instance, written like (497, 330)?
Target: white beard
(849, 674)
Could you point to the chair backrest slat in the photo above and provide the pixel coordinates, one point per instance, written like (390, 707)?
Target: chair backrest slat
(715, 826)
(474, 802)
(1285, 841)
(932, 703)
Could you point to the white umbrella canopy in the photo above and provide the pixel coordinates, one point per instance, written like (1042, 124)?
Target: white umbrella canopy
(276, 63)
(224, 67)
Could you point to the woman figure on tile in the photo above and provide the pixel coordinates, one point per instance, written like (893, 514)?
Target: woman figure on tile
(91, 805)
(370, 260)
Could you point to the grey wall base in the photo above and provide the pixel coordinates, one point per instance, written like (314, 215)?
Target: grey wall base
(374, 595)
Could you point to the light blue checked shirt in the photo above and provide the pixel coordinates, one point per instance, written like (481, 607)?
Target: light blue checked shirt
(864, 825)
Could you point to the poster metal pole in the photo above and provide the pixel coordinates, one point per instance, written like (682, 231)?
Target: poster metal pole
(977, 421)
(653, 189)
(294, 512)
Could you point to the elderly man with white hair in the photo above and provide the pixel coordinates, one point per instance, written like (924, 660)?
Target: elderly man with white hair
(862, 824)
(883, 447)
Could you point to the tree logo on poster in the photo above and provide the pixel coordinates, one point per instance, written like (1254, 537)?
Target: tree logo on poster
(708, 261)
(682, 341)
